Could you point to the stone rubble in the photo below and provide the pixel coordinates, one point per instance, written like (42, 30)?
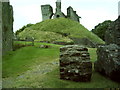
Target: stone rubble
(75, 63)
(108, 60)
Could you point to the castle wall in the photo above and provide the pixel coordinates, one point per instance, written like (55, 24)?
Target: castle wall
(72, 14)
(47, 12)
(58, 12)
(7, 26)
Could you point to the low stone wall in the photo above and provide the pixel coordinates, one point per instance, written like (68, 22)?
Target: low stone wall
(63, 43)
(75, 63)
(108, 61)
(84, 41)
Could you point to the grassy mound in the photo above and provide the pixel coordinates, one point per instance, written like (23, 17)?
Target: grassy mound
(63, 30)
(43, 36)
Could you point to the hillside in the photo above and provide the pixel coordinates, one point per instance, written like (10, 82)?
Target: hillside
(60, 29)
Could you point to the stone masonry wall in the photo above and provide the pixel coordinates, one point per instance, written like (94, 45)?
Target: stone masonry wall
(7, 27)
(47, 12)
(72, 14)
(75, 63)
(108, 59)
(113, 33)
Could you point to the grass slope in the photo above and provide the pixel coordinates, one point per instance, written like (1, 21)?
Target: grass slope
(62, 26)
(32, 67)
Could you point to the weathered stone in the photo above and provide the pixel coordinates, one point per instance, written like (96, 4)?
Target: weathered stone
(47, 12)
(113, 33)
(75, 63)
(7, 26)
(72, 14)
(58, 12)
(45, 46)
(108, 62)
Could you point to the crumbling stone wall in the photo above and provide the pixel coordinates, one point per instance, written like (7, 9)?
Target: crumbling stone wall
(72, 14)
(108, 60)
(7, 26)
(75, 63)
(47, 12)
(113, 33)
(58, 12)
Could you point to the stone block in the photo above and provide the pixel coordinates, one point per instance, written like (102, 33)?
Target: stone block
(108, 62)
(75, 63)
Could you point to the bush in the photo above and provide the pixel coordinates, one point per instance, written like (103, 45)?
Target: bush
(101, 28)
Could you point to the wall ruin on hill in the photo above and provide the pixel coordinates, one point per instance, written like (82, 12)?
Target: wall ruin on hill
(48, 13)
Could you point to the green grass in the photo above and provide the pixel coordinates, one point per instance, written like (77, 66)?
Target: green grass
(16, 62)
(97, 81)
(53, 28)
(35, 59)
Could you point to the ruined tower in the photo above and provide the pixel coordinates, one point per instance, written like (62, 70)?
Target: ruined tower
(58, 12)
(7, 26)
(72, 14)
(47, 12)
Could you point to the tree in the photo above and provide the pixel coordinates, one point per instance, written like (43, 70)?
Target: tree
(101, 28)
(21, 29)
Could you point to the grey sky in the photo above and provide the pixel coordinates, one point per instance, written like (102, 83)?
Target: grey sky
(91, 11)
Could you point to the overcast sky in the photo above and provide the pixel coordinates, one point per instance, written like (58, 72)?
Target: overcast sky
(91, 11)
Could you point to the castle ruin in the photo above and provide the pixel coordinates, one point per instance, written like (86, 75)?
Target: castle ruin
(7, 26)
(47, 12)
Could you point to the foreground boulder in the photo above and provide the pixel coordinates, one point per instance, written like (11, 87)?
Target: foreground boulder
(75, 63)
(108, 62)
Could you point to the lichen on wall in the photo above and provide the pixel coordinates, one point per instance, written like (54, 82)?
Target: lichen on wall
(72, 14)
(47, 12)
(7, 27)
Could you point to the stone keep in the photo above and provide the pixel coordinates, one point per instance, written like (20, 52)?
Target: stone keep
(47, 12)
(7, 26)
(108, 62)
(72, 14)
(75, 63)
(58, 12)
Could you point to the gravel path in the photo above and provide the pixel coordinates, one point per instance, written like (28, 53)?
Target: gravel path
(29, 76)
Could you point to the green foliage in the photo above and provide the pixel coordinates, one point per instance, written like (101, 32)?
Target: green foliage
(43, 36)
(101, 28)
(62, 27)
(21, 29)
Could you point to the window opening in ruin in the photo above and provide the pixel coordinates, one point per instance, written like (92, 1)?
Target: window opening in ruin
(58, 16)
